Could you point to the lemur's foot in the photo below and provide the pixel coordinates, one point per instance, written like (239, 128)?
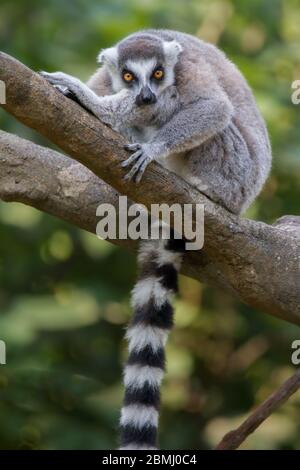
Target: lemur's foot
(141, 158)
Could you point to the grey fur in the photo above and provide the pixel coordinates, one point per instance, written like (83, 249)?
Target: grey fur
(205, 125)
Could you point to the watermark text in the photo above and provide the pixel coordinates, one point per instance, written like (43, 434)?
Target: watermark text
(135, 222)
(2, 352)
(2, 92)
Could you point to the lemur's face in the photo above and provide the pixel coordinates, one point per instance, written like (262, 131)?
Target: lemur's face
(144, 64)
(146, 78)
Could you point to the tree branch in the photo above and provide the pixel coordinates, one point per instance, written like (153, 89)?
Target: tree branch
(56, 184)
(234, 439)
(258, 262)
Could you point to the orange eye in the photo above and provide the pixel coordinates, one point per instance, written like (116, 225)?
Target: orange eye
(128, 77)
(158, 74)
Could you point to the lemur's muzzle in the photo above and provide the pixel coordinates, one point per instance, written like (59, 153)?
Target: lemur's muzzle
(146, 96)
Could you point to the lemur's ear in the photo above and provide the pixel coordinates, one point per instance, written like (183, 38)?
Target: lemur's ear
(172, 49)
(108, 57)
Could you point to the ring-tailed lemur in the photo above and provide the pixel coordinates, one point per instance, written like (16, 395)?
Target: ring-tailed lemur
(179, 101)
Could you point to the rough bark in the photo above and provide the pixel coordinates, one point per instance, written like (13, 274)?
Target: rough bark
(54, 183)
(258, 262)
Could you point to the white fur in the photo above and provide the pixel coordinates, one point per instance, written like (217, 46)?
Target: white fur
(139, 416)
(164, 256)
(147, 288)
(142, 69)
(136, 376)
(145, 250)
(172, 49)
(109, 57)
(140, 336)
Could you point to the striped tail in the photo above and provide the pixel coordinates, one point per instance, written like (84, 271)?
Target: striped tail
(159, 262)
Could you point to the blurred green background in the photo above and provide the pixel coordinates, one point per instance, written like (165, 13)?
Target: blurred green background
(64, 295)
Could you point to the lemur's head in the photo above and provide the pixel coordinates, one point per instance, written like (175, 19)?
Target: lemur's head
(143, 63)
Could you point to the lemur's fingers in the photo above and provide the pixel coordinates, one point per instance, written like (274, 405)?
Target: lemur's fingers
(45, 76)
(134, 170)
(132, 159)
(138, 169)
(131, 174)
(142, 169)
(53, 75)
(50, 77)
(61, 79)
(53, 80)
(132, 147)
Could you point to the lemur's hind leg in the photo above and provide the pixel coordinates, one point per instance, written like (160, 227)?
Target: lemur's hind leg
(159, 262)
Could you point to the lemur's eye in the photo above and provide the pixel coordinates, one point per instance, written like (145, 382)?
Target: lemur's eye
(128, 76)
(158, 74)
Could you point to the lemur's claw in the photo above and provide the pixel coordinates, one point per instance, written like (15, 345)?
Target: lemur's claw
(132, 159)
(138, 169)
(141, 170)
(47, 76)
(139, 159)
(62, 89)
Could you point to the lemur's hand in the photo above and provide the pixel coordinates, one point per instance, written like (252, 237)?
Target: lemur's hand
(142, 156)
(64, 81)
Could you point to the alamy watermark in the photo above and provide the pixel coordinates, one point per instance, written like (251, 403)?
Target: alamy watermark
(2, 352)
(136, 222)
(295, 358)
(2, 92)
(295, 97)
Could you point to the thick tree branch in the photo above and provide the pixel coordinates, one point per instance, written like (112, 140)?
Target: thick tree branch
(260, 263)
(56, 184)
(234, 439)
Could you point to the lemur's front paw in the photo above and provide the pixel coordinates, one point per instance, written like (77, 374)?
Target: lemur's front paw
(141, 158)
(63, 81)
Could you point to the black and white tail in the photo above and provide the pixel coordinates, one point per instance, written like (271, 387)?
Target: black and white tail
(159, 262)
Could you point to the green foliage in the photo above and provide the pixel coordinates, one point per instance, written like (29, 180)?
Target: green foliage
(64, 295)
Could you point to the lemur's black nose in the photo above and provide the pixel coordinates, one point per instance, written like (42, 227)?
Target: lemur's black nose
(146, 96)
(149, 99)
